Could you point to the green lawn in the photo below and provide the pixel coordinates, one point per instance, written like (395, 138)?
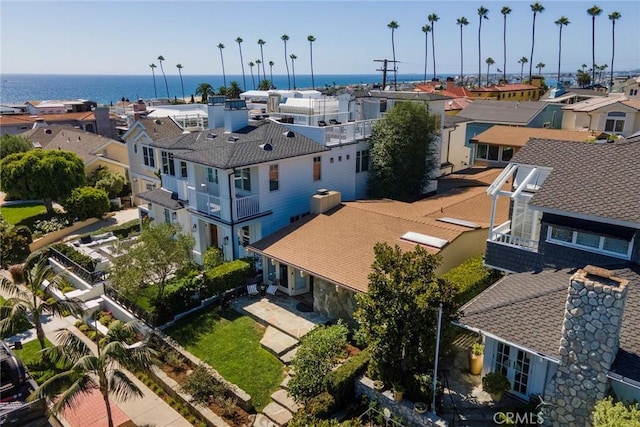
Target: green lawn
(230, 342)
(32, 359)
(16, 214)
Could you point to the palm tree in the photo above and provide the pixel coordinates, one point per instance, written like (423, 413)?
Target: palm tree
(293, 68)
(261, 43)
(153, 73)
(561, 22)
(504, 11)
(251, 64)
(462, 21)
(433, 18)
(21, 303)
(179, 67)
(535, 8)
(489, 62)
(593, 11)
(271, 64)
(613, 16)
(394, 26)
(224, 76)
(102, 372)
(522, 61)
(426, 29)
(234, 90)
(244, 80)
(205, 90)
(311, 39)
(540, 66)
(284, 39)
(482, 14)
(258, 62)
(160, 59)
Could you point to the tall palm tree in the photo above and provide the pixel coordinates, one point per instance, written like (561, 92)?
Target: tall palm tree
(102, 371)
(23, 301)
(160, 59)
(179, 67)
(251, 64)
(482, 14)
(426, 29)
(540, 66)
(284, 39)
(535, 8)
(271, 64)
(593, 11)
(522, 61)
(433, 18)
(394, 26)
(224, 76)
(244, 80)
(311, 39)
(205, 90)
(261, 43)
(563, 21)
(489, 62)
(258, 62)
(504, 11)
(462, 21)
(153, 73)
(613, 16)
(234, 90)
(293, 68)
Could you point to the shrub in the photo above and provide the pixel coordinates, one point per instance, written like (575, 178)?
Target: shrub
(321, 406)
(87, 202)
(14, 245)
(67, 289)
(606, 413)
(212, 258)
(17, 273)
(477, 349)
(174, 359)
(228, 406)
(49, 226)
(82, 260)
(202, 386)
(341, 382)
(495, 382)
(471, 278)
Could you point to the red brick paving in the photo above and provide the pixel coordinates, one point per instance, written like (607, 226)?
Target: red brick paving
(92, 412)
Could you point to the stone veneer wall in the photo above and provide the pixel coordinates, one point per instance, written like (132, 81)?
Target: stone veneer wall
(588, 347)
(333, 301)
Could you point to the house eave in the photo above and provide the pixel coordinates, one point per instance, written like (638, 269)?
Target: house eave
(586, 217)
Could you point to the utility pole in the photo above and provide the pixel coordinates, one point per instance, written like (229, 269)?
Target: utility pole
(384, 70)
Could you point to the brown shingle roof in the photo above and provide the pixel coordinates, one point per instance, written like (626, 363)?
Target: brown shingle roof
(16, 119)
(597, 180)
(518, 136)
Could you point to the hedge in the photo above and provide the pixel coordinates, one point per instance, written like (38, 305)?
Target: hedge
(341, 382)
(81, 259)
(471, 278)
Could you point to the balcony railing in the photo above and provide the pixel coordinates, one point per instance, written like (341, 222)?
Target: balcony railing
(208, 204)
(176, 185)
(502, 234)
(91, 277)
(348, 132)
(247, 206)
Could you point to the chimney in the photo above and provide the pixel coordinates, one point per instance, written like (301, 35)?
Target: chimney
(215, 111)
(588, 347)
(236, 115)
(324, 200)
(39, 123)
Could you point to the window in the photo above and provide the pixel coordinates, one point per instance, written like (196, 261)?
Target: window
(362, 161)
(615, 122)
(612, 246)
(168, 165)
(487, 152)
(633, 92)
(135, 148)
(383, 105)
(243, 179)
(507, 153)
(244, 237)
(317, 168)
(183, 169)
(148, 157)
(167, 216)
(212, 175)
(274, 176)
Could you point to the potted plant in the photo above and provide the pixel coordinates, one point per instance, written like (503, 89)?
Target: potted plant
(496, 384)
(378, 385)
(476, 358)
(398, 392)
(420, 407)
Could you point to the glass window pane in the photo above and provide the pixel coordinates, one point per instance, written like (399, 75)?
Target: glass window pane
(615, 245)
(273, 178)
(493, 152)
(561, 234)
(481, 151)
(608, 127)
(587, 239)
(619, 125)
(507, 154)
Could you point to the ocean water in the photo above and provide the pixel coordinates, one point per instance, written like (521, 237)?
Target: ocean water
(105, 89)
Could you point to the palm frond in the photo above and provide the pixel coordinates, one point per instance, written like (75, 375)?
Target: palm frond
(71, 345)
(122, 387)
(71, 397)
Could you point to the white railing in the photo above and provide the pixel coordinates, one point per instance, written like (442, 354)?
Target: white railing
(176, 185)
(247, 206)
(515, 241)
(205, 203)
(348, 132)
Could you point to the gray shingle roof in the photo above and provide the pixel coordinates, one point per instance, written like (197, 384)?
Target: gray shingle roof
(599, 180)
(527, 309)
(416, 96)
(503, 111)
(213, 147)
(163, 197)
(160, 128)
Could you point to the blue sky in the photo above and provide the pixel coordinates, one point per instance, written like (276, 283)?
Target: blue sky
(124, 37)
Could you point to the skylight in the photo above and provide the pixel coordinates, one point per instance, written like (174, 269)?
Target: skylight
(424, 239)
(460, 222)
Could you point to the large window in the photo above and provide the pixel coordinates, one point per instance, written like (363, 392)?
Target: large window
(148, 157)
(168, 165)
(183, 170)
(274, 178)
(612, 246)
(615, 122)
(317, 168)
(487, 152)
(362, 161)
(243, 179)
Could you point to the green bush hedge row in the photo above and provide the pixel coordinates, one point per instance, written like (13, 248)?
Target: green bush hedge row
(82, 260)
(341, 382)
(471, 277)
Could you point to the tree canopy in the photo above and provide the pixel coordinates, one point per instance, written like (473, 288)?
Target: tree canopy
(42, 174)
(10, 144)
(87, 202)
(104, 179)
(402, 149)
(398, 314)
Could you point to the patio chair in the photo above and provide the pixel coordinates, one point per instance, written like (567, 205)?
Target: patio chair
(252, 290)
(272, 289)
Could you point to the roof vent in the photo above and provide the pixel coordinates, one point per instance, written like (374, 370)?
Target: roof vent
(48, 131)
(322, 191)
(424, 239)
(157, 121)
(211, 135)
(232, 138)
(185, 132)
(289, 134)
(459, 222)
(266, 147)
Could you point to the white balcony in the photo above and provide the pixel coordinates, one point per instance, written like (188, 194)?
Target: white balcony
(218, 207)
(176, 185)
(247, 206)
(348, 132)
(503, 235)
